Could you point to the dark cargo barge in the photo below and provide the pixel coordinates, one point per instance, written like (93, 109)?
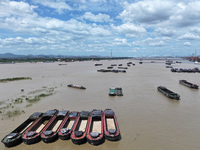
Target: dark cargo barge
(15, 137)
(188, 84)
(168, 93)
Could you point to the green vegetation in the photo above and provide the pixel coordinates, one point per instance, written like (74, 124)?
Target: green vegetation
(33, 100)
(2, 102)
(28, 105)
(10, 107)
(18, 100)
(14, 79)
(37, 97)
(12, 113)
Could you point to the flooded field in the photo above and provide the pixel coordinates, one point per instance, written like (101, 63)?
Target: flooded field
(147, 119)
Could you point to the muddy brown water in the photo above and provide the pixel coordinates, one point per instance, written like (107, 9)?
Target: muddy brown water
(147, 119)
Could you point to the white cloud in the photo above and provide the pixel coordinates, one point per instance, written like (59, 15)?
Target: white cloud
(165, 32)
(159, 43)
(129, 29)
(12, 8)
(186, 14)
(97, 18)
(187, 44)
(189, 36)
(122, 42)
(162, 13)
(59, 6)
(77, 25)
(98, 1)
(195, 29)
(150, 11)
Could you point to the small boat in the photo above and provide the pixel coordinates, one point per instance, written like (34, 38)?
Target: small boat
(98, 64)
(95, 132)
(111, 128)
(109, 67)
(124, 71)
(122, 68)
(78, 135)
(168, 93)
(169, 66)
(15, 137)
(188, 84)
(118, 91)
(50, 133)
(174, 69)
(32, 134)
(76, 86)
(68, 125)
(112, 92)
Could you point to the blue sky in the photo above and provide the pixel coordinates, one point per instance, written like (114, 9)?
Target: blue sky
(133, 28)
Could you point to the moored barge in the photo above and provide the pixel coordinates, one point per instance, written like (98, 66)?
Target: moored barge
(188, 84)
(32, 134)
(15, 137)
(95, 132)
(111, 128)
(50, 133)
(78, 135)
(68, 125)
(168, 93)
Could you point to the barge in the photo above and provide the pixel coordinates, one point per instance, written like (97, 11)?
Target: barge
(76, 86)
(78, 135)
(15, 137)
(111, 128)
(188, 84)
(168, 93)
(32, 134)
(68, 125)
(95, 132)
(50, 134)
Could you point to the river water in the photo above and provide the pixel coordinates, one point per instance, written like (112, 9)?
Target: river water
(147, 119)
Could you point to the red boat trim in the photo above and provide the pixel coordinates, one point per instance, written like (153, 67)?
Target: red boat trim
(60, 134)
(117, 133)
(80, 139)
(62, 118)
(99, 139)
(30, 140)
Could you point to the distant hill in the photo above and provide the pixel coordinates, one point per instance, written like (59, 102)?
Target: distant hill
(14, 56)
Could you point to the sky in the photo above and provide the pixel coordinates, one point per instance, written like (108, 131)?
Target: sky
(127, 28)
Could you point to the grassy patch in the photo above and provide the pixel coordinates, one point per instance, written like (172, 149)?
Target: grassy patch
(2, 102)
(28, 105)
(12, 113)
(18, 101)
(37, 97)
(15, 79)
(33, 100)
(44, 95)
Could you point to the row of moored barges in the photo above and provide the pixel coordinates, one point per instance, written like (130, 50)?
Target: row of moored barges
(181, 70)
(92, 127)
